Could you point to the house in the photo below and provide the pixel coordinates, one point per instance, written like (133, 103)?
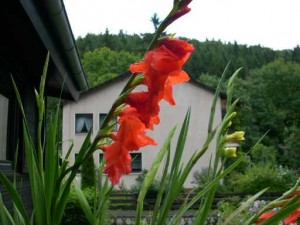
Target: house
(91, 108)
(31, 29)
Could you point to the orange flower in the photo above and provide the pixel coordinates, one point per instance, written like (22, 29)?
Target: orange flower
(292, 218)
(162, 67)
(130, 136)
(265, 216)
(146, 107)
(118, 161)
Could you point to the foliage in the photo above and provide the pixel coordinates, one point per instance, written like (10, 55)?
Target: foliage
(273, 108)
(277, 179)
(263, 155)
(73, 214)
(153, 189)
(227, 208)
(51, 182)
(200, 178)
(216, 56)
(104, 64)
(88, 173)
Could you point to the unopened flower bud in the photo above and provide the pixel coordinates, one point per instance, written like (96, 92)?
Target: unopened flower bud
(235, 137)
(230, 151)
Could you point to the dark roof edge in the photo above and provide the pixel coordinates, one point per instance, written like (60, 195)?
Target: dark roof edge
(52, 24)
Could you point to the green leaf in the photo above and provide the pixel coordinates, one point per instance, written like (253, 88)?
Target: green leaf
(3, 216)
(215, 100)
(15, 197)
(176, 181)
(207, 188)
(162, 188)
(151, 175)
(84, 204)
(243, 206)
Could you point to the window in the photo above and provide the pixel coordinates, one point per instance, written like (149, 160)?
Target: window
(3, 126)
(83, 123)
(102, 118)
(136, 161)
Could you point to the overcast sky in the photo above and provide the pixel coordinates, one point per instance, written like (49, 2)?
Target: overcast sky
(270, 23)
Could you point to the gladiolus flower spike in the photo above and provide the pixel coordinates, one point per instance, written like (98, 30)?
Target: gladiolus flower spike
(162, 68)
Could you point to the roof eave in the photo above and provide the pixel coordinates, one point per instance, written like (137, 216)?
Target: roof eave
(51, 22)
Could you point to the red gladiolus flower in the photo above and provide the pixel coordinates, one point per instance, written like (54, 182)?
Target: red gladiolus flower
(183, 9)
(130, 136)
(162, 68)
(292, 218)
(265, 216)
(146, 107)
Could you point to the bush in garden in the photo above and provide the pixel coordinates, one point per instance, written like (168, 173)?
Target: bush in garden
(139, 181)
(258, 177)
(262, 154)
(73, 214)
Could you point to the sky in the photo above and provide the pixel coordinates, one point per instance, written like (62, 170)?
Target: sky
(270, 23)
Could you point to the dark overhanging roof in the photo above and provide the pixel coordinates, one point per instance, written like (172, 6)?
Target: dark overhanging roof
(52, 24)
(31, 28)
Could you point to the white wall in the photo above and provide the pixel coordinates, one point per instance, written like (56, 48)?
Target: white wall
(186, 95)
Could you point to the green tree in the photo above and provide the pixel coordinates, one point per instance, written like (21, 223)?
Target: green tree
(104, 64)
(155, 21)
(270, 102)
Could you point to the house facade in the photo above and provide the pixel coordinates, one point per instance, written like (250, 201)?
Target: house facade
(90, 110)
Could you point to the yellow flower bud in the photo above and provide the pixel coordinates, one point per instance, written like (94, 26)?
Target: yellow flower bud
(235, 137)
(230, 151)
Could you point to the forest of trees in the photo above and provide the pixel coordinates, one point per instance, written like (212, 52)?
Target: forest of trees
(268, 85)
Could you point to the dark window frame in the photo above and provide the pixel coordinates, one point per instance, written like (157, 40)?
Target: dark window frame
(77, 115)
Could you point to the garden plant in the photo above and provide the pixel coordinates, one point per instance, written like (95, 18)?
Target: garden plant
(137, 112)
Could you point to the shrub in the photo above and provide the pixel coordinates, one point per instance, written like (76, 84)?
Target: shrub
(262, 154)
(200, 178)
(278, 179)
(153, 190)
(73, 214)
(88, 173)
